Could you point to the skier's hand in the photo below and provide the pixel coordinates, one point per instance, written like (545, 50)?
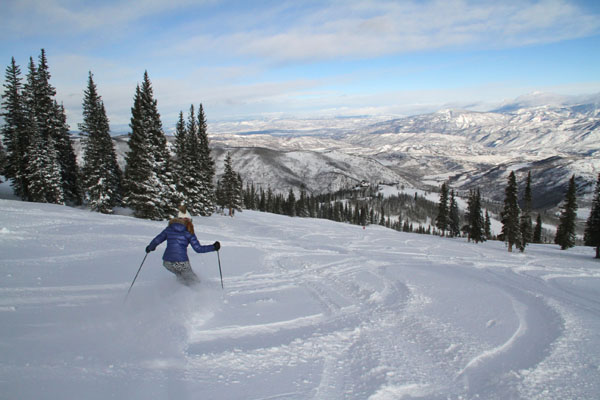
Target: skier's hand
(148, 249)
(217, 245)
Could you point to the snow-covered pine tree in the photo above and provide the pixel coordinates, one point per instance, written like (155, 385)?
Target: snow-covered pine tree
(67, 159)
(525, 224)
(178, 162)
(537, 232)
(43, 171)
(160, 152)
(565, 232)
(191, 174)
(229, 192)
(454, 216)
(15, 132)
(140, 183)
(510, 213)
(208, 166)
(148, 183)
(290, 206)
(592, 225)
(441, 221)
(475, 219)
(302, 203)
(2, 159)
(101, 175)
(52, 125)
(488, 226)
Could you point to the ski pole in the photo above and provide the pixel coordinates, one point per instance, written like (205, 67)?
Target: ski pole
(220, 272)
(136, 275)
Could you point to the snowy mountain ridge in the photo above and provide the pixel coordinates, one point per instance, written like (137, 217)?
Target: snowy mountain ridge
(467, 148)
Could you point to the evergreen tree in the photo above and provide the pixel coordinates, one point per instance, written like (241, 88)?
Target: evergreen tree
(537, 232)
(592, 225)
(230, 188)
(160, 152)
(454, 217)
(101, 175)
(194, 179)
(565, 232)
(511, 231)
(140, 182)
(148, 182)
(441, 221)
(179, 162)
(15, 132)
(488, 226)
(290, 204)
(207, 166)
(302, 203)
(52, 125)
(525, 224)
(43, 172)
(2, 159)
(475, 217)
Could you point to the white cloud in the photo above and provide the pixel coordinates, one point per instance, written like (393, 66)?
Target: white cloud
(357, 30)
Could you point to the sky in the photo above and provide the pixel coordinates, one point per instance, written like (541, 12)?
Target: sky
(299, 59)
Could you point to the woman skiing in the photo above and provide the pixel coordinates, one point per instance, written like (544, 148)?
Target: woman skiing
(178, 235)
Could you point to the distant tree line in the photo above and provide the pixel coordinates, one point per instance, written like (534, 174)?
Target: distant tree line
(517, 225)
(357, 205)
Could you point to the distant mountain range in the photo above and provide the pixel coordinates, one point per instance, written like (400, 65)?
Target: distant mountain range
(552, 136)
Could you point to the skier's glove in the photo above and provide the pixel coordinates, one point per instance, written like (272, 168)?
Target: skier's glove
(217, 246)
(148, 249)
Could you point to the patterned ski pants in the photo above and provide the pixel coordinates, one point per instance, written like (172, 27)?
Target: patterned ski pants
(183, 271)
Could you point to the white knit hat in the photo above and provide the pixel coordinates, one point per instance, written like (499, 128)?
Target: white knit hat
(183, 213)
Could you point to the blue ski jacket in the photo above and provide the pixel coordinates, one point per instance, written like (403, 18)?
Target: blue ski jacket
(178, 238)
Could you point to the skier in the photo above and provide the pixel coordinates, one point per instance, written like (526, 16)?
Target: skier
(178, 235)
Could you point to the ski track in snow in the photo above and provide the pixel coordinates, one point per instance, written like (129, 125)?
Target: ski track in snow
(311, 310)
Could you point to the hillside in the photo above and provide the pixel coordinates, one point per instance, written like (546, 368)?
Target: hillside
(310, 310)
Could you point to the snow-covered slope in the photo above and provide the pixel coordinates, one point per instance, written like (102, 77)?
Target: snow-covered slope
(311, 310)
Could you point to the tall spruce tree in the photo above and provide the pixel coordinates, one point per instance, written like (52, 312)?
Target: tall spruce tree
(148, 182)
(140, 183)
(565, 232)
(15, 132)
(45, 184)
(592, 226)
(67, 160)
(2, 159)
(454, 216)
(52, 125)
(525, 223)
(230, 187)
(475, 217)
(510, 214)
(191, 166)
(168, 198)
(488, 226)
(441, 221)
(537, 232)
(101, 175)
(208, 166)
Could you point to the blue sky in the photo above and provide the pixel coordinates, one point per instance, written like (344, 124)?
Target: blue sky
(263, 59)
